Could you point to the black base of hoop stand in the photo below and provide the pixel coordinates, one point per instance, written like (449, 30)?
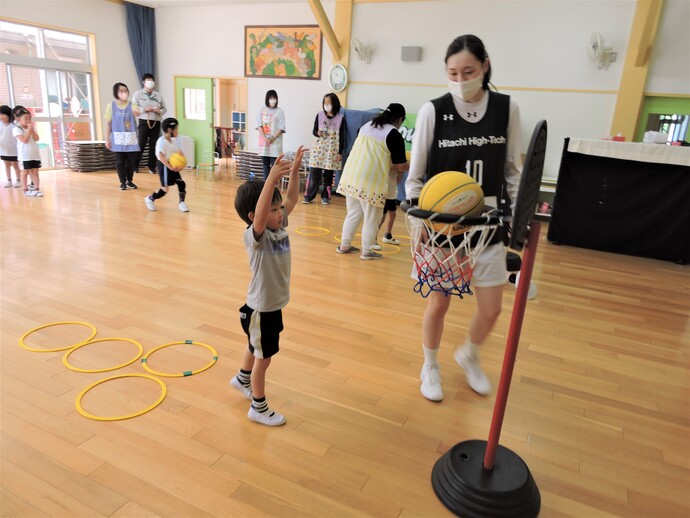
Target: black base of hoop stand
(463, 485)
(481, 478)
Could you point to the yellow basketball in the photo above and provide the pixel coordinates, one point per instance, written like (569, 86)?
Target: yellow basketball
(452, 192)
(177, 160)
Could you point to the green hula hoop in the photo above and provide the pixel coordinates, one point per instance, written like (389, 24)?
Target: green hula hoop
(34, 350)
(89, 415)
(77, 369)
(144, 360)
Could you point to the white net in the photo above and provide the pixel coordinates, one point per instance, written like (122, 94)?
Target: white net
(444, 258)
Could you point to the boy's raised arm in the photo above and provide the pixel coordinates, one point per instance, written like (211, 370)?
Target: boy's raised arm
(263, 206)
(293, 185)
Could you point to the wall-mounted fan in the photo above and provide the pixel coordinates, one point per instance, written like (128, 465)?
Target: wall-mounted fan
(600, 51)
(363, 51)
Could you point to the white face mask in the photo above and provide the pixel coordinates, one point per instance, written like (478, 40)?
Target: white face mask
(149, 84)
(272, 102)
(465, 90)
(123, 96)
(327, 108)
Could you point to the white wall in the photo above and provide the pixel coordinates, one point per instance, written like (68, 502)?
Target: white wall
(217, 50)
(106, 20)
(538, 50)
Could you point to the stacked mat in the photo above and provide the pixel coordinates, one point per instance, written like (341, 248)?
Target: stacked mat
(84, 156)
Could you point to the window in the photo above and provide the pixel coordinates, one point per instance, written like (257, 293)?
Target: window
(48, 71)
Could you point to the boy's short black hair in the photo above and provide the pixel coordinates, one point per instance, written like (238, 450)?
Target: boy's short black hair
(248, 196)
(6, 110)
(148, 75)
(169, 123)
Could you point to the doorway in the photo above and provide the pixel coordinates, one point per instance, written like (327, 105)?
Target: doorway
(205, 108)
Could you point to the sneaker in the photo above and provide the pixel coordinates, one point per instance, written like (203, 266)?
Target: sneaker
(371, 256)
(347, 250)
(149, 203)
(325, 201)
(131, 185)
(17, 183)
(474, 374)
(123, 187)
(29, 193)
(245, 390)
(152, 172)
(269, 417)
(38, 194)
(377, 247)
(391, 241)
(183, 207)
(431, 383)
(8, 183)
(306, 201)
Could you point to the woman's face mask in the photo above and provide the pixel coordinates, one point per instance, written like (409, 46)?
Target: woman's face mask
(123, 95)
(466, 90)
(327, 108)
(272, 102)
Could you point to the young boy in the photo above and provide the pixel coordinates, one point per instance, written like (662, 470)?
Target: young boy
(261, 206)
(165, 147)
(8, 146)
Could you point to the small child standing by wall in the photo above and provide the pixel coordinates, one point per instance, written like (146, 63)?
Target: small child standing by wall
(169, 175)
(261, 206)
(8, 146)
(28, 154)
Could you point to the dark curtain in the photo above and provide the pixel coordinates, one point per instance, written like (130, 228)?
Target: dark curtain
(141, 28)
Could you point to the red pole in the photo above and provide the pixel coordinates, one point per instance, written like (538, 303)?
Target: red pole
(532, 238)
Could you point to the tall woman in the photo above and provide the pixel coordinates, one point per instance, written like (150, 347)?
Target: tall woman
(473, 115)
(326, 152)
(121, 134)
(270, 122)
(365, 177)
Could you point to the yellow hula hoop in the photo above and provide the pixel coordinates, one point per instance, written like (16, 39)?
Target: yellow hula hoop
(80, 409)
(144, 360)
(34, 350)
(323, 231)
(77, 369)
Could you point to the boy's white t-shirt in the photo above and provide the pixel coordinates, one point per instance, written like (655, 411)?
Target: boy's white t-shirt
(28, 151)
(8, 142)
(167, 148)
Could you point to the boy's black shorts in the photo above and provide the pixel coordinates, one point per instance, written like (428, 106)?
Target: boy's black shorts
(262, 330)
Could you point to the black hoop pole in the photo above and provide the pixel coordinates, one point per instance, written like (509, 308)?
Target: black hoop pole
(514, 330)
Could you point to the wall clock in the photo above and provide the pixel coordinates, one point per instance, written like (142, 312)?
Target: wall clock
(337, 77)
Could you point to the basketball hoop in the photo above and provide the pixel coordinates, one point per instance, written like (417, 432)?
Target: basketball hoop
(444, 255)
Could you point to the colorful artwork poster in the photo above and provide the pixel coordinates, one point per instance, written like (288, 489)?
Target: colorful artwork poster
(286, 51)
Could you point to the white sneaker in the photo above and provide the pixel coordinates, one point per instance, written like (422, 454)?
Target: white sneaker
(246, 391)
(391, 241)
(152, 172)
(269, 417)
(183, 207)
(431, 383)
(8, 183)
(17, 183)
(149, 203)
(29, 193)
(474, 374)
(38, 194)
(377, 247)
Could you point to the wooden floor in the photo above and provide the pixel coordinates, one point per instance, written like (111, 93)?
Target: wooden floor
(599, 405)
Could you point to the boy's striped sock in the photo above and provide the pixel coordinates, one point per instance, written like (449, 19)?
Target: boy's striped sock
(260, 404)
(244, 377)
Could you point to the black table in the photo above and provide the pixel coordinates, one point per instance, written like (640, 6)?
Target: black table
(624, 197)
